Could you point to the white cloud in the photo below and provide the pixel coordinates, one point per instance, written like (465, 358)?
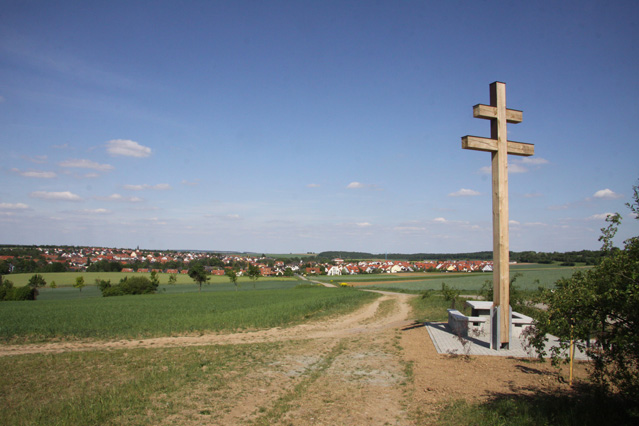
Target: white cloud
(41, 175)
(158, 187)
(86, 164)
(409, 228)
(533, 195)
(513, 222)
(535, 161)
(607, 194)
(112, 197)
(95, 211)
(486, 170)
(516, 168)
(135, 187)
(127, 148)
(313, 185)
(359, 185)
(600, 216)
(464, 193)
(363, 224)
(187, 183)
(118, 197)
(13, 206)
(440, 220)
(60, 196)
(35, 174)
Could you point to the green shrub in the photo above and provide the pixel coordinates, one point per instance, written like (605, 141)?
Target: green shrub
(102, 284)
(134, 285)
(24, 293)
(6, 287)
(9, 292)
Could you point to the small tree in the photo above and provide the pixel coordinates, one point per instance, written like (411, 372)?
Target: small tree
(172, 279)
(198, 274)
(79, 282)
(53, 284)
(450, 294)
(232, 276)
(154, 279)
(254, 273)
(37, 281)
(600, 303)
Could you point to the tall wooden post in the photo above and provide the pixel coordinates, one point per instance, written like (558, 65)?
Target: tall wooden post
(499, 146)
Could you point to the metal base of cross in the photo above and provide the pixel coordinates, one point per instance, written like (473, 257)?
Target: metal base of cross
(495, 331)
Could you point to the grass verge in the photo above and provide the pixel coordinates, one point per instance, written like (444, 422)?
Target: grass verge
(132, 387)
(583, 406)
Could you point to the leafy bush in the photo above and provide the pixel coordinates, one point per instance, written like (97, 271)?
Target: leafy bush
(9, 292)
(102, 284)
(24, 293)
(134, 285)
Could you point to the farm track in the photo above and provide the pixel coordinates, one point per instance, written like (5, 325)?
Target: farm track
(361, 321)
(373, 366)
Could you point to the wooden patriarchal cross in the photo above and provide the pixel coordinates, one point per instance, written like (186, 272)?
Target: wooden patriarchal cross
(499, 146)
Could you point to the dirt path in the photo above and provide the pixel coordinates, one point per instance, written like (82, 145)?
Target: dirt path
(374, 366)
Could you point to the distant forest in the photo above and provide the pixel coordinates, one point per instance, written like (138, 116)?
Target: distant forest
(588, 257)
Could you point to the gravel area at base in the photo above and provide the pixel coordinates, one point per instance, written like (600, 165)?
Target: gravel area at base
(448, 343)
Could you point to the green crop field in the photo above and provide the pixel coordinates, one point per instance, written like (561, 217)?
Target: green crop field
(170, 314)
(66, 279)
(217, 285)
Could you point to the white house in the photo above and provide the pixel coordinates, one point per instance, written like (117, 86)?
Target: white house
(334, 270)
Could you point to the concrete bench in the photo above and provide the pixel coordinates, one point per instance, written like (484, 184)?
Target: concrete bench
(482, 309)
(521, 322)
(461, 324)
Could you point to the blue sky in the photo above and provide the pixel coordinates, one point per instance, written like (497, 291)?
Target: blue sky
(308, 126)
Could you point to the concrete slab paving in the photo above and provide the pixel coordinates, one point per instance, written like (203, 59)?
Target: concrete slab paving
(448, 343)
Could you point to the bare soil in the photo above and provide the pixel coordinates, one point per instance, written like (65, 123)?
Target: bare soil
(374, 366)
